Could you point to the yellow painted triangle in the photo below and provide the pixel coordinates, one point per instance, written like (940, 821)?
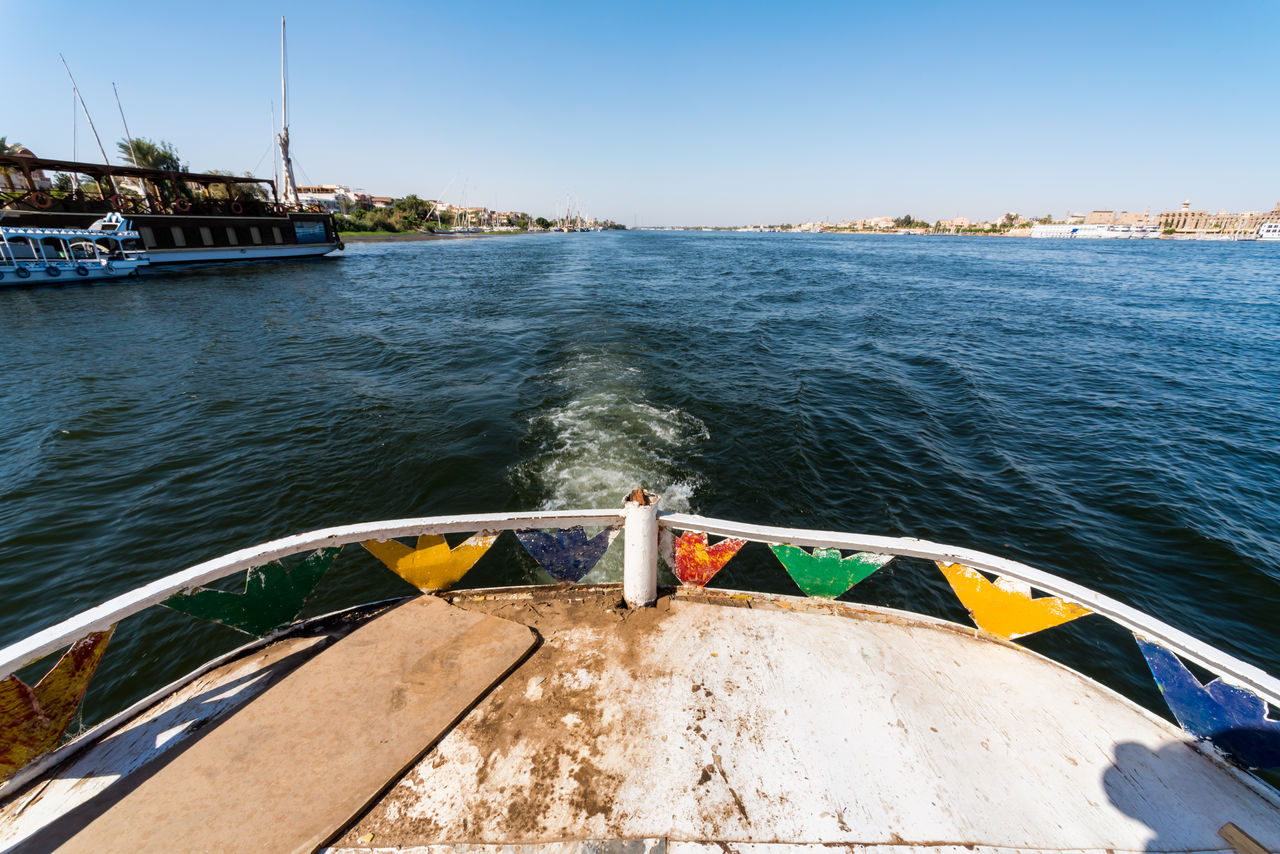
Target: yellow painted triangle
(431, 565)
(33, 720)
(1005, 610)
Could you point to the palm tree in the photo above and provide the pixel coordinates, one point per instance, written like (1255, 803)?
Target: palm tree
(146, 154)
(7, 147)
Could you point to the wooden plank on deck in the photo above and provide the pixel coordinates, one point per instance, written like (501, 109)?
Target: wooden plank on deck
(298, 763)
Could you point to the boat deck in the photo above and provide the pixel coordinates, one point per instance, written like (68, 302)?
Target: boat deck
(713, 722)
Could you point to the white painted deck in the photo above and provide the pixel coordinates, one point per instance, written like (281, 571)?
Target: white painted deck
(740, 725)
(699, 728)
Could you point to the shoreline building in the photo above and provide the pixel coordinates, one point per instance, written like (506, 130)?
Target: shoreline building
(1188, 221)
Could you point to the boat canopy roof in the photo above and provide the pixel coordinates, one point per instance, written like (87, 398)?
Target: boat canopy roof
(10, 232)
(27, 165)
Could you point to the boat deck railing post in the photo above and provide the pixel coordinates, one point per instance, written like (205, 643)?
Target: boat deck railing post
(640, 556)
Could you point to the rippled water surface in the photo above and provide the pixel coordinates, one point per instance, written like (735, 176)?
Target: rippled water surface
(1108, 411)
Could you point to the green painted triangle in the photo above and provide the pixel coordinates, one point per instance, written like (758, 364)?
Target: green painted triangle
(824, 574)
(272, 597)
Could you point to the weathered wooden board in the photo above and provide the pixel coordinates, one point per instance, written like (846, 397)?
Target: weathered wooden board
(431, 565)
(696, 563)
(45, 815)
(567, 554)
(272, 598)
(1007, 609)
(823, 573)
(1233, 719)
(32, 720)
(294, 766)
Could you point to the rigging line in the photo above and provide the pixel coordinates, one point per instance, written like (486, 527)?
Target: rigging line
(270, 146)
(110, 179)
(133, 155)
(304, 173)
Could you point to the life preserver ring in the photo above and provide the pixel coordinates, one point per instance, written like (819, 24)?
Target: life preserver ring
(111, 269)
(279, 209)
(116, 201)
(182, 205)
(23, 272)
(237, 208)
(52, 271)
(41, 199)
(82, 270)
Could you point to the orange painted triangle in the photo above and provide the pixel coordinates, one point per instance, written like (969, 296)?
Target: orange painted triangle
(1003, 611)
(696, 563)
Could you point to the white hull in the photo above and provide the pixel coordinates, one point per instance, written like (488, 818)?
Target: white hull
(201, 255)
(40, 273)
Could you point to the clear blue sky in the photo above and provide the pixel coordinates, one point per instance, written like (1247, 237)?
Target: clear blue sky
(678, 113)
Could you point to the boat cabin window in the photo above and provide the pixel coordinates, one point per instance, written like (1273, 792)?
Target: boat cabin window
(231, 236)
(18, 249)
(148, 237)
(206, 235)
(54, 249)
(109, 247)
(179, 239)
(83, 249)
(276, 235)
(255, 234)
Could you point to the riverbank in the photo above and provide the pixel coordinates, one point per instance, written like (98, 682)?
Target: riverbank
(397, 236)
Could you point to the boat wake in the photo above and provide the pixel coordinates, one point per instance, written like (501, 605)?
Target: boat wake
(598, 437)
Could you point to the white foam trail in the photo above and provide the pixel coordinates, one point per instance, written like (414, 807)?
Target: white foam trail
(607, 439)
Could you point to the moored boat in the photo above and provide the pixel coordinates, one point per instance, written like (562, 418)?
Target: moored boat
(634, 718)
(107, 249)
(180, 217)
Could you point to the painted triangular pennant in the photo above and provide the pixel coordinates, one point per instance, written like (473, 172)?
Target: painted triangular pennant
(1006, 609)
(566, 555)
(33, 720)
(273, 596)
(695, 563)
(824, 574)
(1233, 719)
(431, 565)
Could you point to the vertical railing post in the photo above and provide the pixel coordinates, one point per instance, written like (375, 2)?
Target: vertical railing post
(640, 556)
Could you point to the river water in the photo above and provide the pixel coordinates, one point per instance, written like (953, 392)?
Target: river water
(1107, 411)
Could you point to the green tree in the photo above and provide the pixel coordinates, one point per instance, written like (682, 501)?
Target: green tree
(1009, 219)
(543, 222)
(412, 208)
(147, 154)
(63, 185)
(7, 147)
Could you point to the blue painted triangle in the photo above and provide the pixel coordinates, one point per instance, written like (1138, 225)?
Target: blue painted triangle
(1232, 719)
(566, 555)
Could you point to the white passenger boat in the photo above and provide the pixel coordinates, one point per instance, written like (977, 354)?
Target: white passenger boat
(1269, 231)
(107, 249)
(632, 718)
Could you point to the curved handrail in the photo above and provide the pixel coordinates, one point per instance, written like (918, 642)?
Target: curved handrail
(21, 653)
(35, 647)
(1230, 668)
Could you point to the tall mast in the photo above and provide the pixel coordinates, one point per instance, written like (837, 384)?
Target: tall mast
(290, 189)
(101, 150)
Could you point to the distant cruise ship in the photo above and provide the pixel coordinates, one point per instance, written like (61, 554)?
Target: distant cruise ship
(1103, 232)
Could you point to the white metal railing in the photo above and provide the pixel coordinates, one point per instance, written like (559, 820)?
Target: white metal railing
(1221, 664)
(642, 527)
(22, 653)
